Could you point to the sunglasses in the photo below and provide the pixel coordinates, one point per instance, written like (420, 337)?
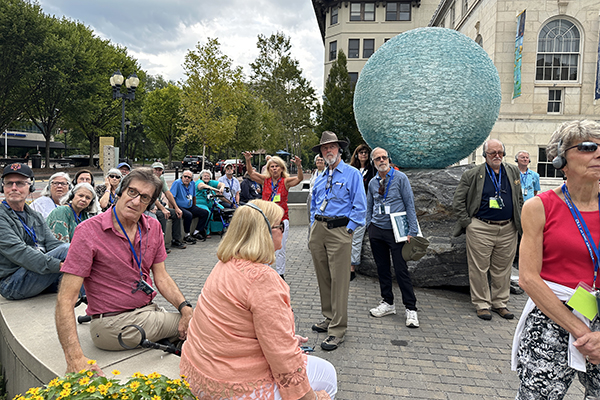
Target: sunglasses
(585, 147)
(380, 158)
(281, 227)
(114, 176)
(187, 176)
(495, 153)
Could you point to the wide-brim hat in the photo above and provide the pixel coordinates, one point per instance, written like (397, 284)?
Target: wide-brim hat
(158, 164)
(17, 168)
(416, 249)
(329, 137)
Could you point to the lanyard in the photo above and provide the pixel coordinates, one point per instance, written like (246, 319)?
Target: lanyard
(27, 229)
(187, 193)
(137, 260)
(111, 198)
(524, 177)
(497, 183)
(388, 186)
(274, 188)
(583, 229)
(329, 181)
(77, 218)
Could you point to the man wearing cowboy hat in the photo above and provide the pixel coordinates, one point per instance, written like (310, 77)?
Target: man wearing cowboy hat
(337, 208)
(390, 192)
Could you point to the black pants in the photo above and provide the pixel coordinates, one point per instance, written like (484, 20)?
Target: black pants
(192, 212)
(382, 244)
(176, 225)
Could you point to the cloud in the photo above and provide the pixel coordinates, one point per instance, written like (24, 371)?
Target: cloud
(159, 33)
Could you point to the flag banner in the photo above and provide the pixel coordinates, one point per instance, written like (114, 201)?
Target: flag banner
(518, 54)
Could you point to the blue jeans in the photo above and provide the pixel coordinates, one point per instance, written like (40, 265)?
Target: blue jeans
(24, 283)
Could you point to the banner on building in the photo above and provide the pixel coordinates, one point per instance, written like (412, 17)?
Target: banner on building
(518, 54)
(597, 91)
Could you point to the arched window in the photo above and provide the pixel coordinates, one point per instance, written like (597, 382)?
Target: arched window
(558, 55)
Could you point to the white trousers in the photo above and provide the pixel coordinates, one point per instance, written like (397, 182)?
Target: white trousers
(280, 254)
(321, 375)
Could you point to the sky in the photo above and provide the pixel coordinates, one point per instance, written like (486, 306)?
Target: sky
(158, 33)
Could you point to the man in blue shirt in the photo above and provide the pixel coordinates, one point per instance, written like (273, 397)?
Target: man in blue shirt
(530, 181)
(184, 192)
(337, 208)
(390, 192)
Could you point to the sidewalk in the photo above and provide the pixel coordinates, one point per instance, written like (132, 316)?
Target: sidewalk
(453, 355)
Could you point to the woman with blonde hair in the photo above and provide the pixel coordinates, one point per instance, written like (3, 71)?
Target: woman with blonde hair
(276, 184)
(241, 341)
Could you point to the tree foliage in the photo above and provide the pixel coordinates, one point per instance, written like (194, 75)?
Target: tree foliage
(277, 78)
(338, 111)
(163, 118)
(211, 95)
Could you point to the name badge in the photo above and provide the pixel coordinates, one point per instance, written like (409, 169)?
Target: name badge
(584, 301)
(277, 198)
(323, 205)
(383, 209)
(496, 203)
(524, 192)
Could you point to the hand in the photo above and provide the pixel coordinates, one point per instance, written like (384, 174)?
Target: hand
(166, 213)
(83, 363)
(247, 156)
(589, 346)
(107, 183)
(178, 212)
(297, 161)
(408, 238)
(184, 322)
(301, 339)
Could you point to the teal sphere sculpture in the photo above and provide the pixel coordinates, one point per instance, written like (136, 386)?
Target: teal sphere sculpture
(429, 96)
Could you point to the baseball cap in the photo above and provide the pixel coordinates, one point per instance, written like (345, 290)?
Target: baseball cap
(227, 164)
(124, 164)
(17, 168)
(158, 165)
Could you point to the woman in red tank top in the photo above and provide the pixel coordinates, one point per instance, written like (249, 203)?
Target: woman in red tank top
(559, 250)
(276, 184)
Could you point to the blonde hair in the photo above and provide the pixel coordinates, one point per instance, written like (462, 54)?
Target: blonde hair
(248, 236)
(281, 163)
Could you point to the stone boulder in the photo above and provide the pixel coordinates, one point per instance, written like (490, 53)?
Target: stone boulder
(445, 262)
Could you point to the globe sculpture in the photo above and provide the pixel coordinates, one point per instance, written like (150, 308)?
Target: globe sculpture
(430, 96)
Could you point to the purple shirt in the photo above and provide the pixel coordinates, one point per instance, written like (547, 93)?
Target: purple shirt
(103, 257)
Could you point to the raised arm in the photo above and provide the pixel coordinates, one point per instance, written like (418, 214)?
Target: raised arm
(255, 176)
(294, 180)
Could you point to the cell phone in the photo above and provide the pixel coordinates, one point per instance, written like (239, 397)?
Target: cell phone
(307, 349)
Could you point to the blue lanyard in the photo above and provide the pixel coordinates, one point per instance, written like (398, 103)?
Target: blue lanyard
(524, 177)
(274, 188)
(187, 193)
(583, 229)
(27, 229)
(388, 186)
(497, 183)
(137, 260)
(77, 218)
(111, 198)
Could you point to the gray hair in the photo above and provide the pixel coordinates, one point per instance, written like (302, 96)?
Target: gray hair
(205, 171)
(522, 152)
(93, 207)
(570, 133)
(378, 148)
(316, 157)
(46, 190)
(114, 171)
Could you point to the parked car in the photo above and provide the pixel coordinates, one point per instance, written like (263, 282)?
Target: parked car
(194, 163)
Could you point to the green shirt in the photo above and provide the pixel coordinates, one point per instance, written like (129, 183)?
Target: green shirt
(62, 222)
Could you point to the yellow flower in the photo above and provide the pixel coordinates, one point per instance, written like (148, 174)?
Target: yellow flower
(67, 385)
(151, 386)
(116, 372)
(65, 392)
(90, 374)
(84, 381)
(115, 395)
(148, 382)
(53, 382)
(125, 397)
(155, 398)
(91, 362)
(108, 384)
(33, 391)
(91, 389)
(123, 390)
(138, 375)
(154, 375)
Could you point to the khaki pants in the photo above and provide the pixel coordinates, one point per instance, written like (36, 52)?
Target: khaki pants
(490, 248)
(331, 252)
(156, 322)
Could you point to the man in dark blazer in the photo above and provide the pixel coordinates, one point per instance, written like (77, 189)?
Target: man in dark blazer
(488, 202)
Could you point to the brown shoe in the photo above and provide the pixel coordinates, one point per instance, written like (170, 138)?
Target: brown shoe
(503, 312)
(485, 314)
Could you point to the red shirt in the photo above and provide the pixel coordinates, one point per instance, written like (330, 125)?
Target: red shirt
(566, 259)
(103, 257)
(280, 190)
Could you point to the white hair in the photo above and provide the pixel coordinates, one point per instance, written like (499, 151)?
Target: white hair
(46, 190)
(93, 207)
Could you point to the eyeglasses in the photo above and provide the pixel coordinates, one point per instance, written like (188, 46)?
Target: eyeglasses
(495, 153)
(54, 183)
(281, 227)
(186, 176)
(380, 158)
(20, 184)
(585, 147)
(144, 198)
(114, 176)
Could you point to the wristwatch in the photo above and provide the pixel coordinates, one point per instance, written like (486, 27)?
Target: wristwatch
(350, 231)
(185, 303)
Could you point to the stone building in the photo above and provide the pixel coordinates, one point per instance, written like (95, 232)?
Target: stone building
(558, 65)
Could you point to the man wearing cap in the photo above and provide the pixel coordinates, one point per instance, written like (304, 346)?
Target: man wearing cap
(124, 168)
(338, 206)
(184, 193)
(390, 192)
(30, 255)
(231, 197)
(163, 213)
(487, 203)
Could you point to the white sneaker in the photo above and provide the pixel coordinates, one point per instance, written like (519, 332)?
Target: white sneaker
(412, 321)
(383, 309)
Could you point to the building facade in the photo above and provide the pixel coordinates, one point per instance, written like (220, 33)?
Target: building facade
(559, 56)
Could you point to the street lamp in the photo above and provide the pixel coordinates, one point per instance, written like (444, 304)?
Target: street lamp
(143, 152)
(132, 82)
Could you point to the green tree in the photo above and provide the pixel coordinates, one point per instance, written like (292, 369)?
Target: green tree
(154, 82)
(22, 33)
(163, 118)
(278, 79)
(338, 112)
(211, 95)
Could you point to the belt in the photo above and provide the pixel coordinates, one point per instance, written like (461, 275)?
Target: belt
(490, 222)
(323, 218)
(115, 313)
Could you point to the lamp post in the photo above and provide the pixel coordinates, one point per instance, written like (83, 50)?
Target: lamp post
(143, 152)
(132, 82)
